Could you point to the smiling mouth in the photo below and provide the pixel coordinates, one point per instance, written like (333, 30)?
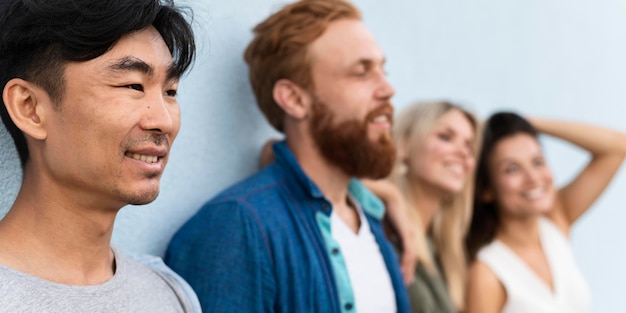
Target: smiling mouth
(381, 116)
(456, 168)
(381, 119)
(143, 157)
(534, 193)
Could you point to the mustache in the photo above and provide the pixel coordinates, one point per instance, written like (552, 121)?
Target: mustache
(386, 109)
(156, 139)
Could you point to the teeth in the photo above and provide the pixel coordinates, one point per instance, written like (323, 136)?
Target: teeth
(534, 193)
(380, 119)
(143, 157)
(457, 168)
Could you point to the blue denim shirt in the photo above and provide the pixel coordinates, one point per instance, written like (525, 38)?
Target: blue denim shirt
(264, 245)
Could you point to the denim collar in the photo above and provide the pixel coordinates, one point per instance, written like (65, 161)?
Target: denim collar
(368, 201)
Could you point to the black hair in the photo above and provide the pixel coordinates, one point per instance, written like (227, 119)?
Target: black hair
(485, 218)
(38, 37)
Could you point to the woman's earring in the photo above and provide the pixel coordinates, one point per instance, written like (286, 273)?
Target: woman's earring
(403, 169)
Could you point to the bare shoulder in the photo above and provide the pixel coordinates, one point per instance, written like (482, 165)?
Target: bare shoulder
(481, 276)
(485, 293)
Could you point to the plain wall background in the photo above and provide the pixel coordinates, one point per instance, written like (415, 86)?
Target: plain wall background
(562, 59)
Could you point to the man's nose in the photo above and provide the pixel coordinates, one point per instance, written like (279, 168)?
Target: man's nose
(161, 114)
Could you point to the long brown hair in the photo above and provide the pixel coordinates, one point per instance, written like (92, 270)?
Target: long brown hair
(485, 218)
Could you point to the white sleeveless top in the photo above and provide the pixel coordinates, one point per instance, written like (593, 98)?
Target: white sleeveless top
(526, 292)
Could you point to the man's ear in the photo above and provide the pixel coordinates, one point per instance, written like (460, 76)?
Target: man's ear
(23, 102)
(294, 100)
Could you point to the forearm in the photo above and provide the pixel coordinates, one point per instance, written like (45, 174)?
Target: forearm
(392, 197)
(398, 216)
(597, 140)
(607, 147)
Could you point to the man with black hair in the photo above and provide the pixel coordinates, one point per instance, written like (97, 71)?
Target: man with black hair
(89, 97)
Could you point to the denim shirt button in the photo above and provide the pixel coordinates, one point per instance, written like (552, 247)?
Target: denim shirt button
(335, 251)
(348, 306)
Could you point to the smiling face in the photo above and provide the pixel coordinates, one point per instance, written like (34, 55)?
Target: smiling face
(521, 181)
(351, 100)
(347, 67)
(109, 139)
(445, 159)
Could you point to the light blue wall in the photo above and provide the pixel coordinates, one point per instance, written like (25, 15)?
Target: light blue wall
(555, 58)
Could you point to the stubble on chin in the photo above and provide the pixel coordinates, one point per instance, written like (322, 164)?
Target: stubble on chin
(140, 198)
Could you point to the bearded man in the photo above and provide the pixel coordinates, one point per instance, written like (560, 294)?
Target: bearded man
(303, 235)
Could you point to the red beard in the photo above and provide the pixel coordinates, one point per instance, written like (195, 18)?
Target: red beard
(347, 145)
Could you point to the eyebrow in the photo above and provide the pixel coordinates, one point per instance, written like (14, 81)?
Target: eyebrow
(132, 64)
(505, 161)
(369, 62)
(513, 160)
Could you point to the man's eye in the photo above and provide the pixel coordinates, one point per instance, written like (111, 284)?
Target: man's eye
(137, 87)
(171, 93)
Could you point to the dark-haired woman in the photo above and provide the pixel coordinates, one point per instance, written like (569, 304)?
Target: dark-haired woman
(519, 234)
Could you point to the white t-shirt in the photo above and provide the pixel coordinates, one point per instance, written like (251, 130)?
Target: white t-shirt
(369, 277)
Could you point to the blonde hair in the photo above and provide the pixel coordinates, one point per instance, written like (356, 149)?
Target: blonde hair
(451, 221)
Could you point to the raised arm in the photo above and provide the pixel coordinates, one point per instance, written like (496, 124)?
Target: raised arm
(396, 211)
(607, 148)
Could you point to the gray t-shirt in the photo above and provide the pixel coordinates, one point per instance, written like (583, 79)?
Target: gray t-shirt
(144, 285)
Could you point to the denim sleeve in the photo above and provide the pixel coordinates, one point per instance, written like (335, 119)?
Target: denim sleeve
(223, 253)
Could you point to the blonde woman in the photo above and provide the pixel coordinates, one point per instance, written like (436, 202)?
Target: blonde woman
(437, 144)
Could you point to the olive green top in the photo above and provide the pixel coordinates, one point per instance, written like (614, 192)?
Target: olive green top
(429, 293)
